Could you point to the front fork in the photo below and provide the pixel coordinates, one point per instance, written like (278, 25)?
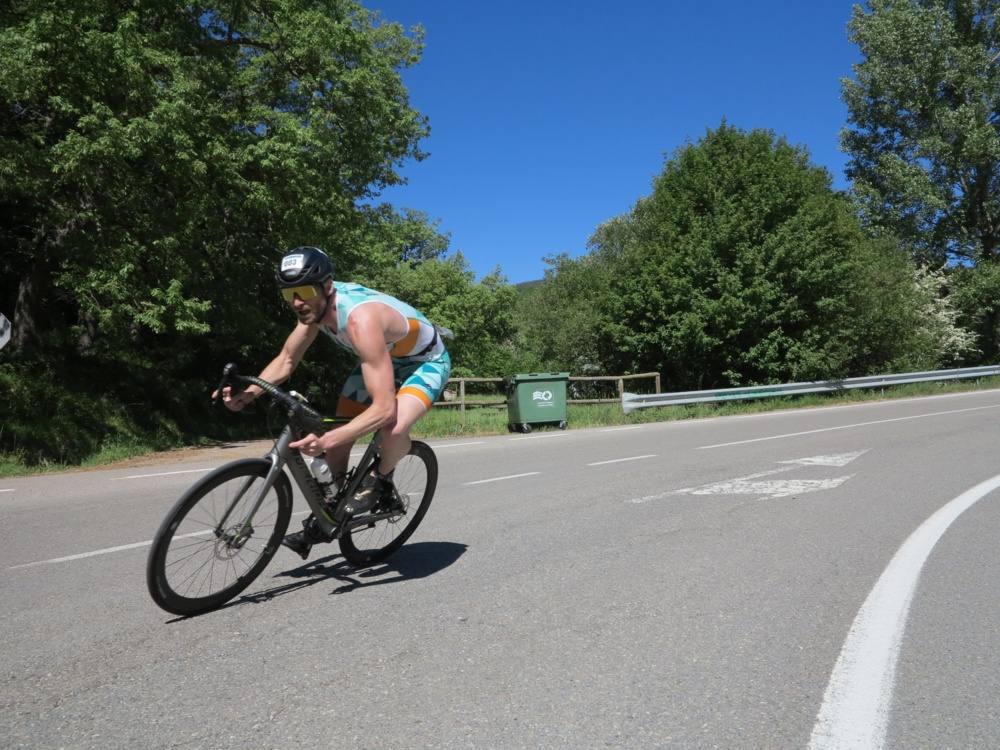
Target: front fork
(241, 531)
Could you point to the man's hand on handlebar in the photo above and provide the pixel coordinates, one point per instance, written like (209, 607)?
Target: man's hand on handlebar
(233, 401)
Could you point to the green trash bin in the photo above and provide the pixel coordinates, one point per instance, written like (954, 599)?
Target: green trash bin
(536, 398)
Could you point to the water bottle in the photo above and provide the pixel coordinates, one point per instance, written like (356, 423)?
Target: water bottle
(320, 469)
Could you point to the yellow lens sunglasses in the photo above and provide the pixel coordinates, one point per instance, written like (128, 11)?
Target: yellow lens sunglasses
(305, 292)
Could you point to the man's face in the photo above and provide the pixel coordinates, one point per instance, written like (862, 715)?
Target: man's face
(308, 302)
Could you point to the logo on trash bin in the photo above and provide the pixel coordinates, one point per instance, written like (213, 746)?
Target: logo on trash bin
(541, 396)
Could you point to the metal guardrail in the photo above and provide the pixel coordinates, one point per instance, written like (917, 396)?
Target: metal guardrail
(631, 401)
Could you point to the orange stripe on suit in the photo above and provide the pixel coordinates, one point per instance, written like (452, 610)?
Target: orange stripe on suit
(410, 391)
(408, 343)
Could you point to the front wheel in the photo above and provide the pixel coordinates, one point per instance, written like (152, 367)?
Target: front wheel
(414, 480)
(208, 548)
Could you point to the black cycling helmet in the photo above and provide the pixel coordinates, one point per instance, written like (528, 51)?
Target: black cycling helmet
(304, 265)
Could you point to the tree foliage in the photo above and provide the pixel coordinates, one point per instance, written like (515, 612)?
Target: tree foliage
(154, 154)
(744, 266)
(975, 295)
(155, 161)
(924, 113)
(557, 318)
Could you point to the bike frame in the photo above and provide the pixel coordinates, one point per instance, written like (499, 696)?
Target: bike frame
(302, 419)
(280, 456)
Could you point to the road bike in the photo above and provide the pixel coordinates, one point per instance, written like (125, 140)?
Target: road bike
(222, 533)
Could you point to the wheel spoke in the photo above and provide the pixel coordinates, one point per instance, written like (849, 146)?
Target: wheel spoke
(190, 574)
(185, 558)
(414, 478)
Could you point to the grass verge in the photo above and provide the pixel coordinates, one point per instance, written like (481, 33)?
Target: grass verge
(451, 422)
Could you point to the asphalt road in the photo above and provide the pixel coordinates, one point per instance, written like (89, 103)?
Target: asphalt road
(769, 581)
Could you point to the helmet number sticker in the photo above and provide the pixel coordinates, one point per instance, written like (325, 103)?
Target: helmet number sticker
(292, 262)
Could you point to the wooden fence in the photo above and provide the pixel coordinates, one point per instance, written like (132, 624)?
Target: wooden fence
(462, 402)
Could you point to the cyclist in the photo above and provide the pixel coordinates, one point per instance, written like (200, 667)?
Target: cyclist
(403, 368)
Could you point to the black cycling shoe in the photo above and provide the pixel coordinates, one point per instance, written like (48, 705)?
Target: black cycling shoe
(301, 542)
(374, 489)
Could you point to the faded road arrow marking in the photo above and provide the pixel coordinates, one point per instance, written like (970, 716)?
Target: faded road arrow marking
(772, 488)
(840, 459)
(749, 485)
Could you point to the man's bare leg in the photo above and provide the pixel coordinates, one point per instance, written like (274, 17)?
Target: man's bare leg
(395, 444)
(338, 458)
(396, 437)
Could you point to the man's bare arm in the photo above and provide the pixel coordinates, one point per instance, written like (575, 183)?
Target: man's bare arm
(367, 330)
(280, 368)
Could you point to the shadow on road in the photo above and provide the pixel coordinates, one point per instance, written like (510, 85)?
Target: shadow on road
(417, 560)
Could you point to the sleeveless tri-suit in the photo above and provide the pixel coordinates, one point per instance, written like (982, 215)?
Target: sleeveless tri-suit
(420, 361)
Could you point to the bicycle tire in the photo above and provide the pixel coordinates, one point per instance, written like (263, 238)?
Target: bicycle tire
(415, 473)
(195, 515)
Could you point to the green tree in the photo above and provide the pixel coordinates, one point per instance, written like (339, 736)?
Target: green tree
(557, 318)
(154, 154)
(155, 160)
(924, 113)
(744, 266)
(975, 294)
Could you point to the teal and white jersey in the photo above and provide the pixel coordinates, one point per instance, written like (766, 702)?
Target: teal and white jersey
(421, 342)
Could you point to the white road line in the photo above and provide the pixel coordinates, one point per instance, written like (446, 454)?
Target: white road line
(500, 479)
(619, 460)
(122, 548)
(456, 445)
(82, 555)
(105, 551)
(846, 427)
(542, 437)
(617, 429)
(163, 474)
(855, 710)
(6, 490)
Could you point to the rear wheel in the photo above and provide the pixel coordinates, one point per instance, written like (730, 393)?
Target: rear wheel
(202, 554)
(414, 480)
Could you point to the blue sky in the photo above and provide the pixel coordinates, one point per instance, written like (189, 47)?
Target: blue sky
(548, 118)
